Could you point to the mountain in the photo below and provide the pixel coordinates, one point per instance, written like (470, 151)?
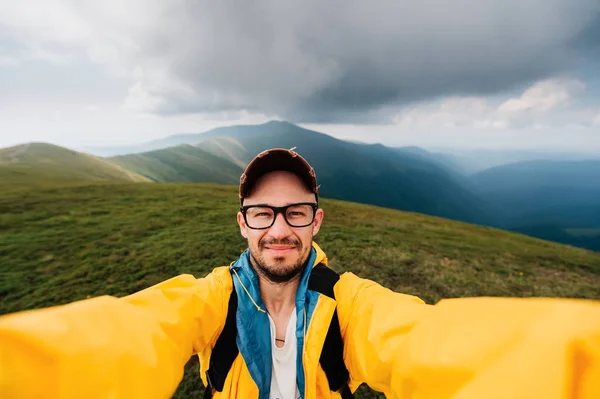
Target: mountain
(370, 174)
(41, 163)
(546, 199)
(73, 243)
(183, 163)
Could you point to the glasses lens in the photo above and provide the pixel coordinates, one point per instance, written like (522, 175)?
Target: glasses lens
(299, 215)
(259, 217)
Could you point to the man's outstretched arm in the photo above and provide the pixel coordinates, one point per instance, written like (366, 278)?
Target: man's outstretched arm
(469, 348)
(131, 347)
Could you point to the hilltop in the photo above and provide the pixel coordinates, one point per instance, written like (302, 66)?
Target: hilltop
(69, 243)
(41, 164)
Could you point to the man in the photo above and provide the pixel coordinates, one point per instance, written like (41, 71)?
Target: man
(137, 346)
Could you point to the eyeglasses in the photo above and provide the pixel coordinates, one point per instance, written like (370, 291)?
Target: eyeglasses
(261, 217)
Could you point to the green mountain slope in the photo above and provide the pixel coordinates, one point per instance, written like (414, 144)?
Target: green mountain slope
(41, 164)
(228, 148)
(183, 163)
(61, 245)
(370, 174)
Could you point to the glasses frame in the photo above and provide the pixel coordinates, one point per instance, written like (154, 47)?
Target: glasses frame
(279, 209)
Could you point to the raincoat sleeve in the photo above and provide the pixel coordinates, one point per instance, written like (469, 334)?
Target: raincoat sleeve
(469, 348)
(107, 347)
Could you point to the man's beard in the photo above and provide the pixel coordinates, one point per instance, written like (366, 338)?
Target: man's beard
(279, 272)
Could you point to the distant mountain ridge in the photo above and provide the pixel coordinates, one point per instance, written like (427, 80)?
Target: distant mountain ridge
(463, 161)
(173, 140)
(371, 174)
(475, 161)
(170, 141)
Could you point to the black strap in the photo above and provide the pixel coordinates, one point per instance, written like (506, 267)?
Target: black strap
(225, 350)
(322, 279)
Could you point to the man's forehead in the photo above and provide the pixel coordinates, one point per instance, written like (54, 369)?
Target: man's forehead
(279, 198)
(281, 187)
(278, 181)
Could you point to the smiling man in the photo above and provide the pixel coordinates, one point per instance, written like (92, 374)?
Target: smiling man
(279, 323)
(279, 216)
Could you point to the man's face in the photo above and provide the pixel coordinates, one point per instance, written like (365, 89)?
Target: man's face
(279, 252)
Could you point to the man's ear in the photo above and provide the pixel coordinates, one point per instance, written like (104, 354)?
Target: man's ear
(319, 215)
(242, 223)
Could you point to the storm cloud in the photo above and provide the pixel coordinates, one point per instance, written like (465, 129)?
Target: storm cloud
(315, 61)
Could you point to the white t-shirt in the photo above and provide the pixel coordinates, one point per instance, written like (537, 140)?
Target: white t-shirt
(283, 380)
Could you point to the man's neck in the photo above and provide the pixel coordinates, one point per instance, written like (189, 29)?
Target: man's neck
(279, 298)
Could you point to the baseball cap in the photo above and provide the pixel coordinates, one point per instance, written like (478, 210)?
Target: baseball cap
(277, 159)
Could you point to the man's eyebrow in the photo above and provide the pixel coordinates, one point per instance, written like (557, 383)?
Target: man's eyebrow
(261, 204)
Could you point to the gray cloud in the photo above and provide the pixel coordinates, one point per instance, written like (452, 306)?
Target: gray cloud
(315, 61)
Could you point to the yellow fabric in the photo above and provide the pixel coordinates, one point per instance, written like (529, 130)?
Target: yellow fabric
(136, 346)
(133, 347)
(469, 348)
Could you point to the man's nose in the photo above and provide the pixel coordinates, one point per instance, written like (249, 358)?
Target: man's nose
(280, 228)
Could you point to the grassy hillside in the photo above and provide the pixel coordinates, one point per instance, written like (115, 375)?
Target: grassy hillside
(183, 163)
(63, 244)
(41, 164)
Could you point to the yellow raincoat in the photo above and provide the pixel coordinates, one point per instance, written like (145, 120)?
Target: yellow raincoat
(473, 348)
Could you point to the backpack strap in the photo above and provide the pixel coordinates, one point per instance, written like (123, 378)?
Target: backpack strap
(322, 279)
(225, 350)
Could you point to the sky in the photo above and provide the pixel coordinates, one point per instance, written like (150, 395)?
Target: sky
(515, 74)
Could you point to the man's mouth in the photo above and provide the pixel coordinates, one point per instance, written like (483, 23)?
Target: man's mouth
(280, 249)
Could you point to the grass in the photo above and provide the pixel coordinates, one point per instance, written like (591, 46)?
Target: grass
(64, 243)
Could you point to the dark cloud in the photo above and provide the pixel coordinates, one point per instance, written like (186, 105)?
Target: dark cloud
(315, 61)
